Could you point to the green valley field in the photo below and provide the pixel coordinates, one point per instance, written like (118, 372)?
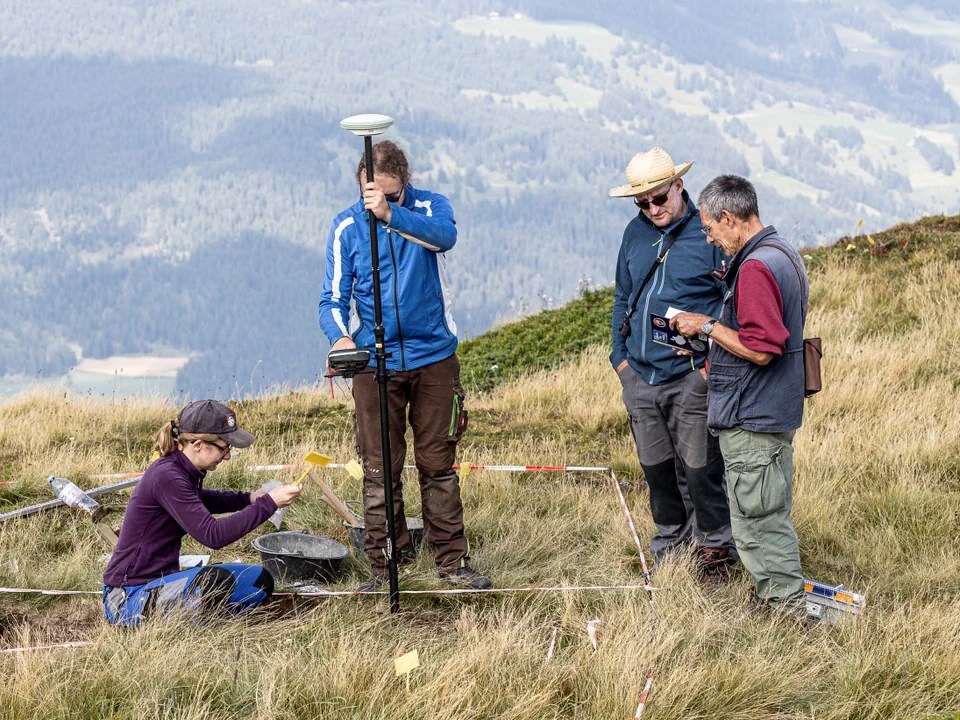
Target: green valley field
(876, 506)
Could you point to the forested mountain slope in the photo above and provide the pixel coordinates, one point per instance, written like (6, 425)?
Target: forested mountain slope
(168, 171)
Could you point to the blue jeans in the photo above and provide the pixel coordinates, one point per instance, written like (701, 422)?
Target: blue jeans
(230, 587)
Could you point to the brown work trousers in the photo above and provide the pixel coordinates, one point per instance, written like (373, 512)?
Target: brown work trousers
(435, 399)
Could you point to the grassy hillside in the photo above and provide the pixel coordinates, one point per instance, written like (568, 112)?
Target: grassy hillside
(553, 337)
(539, 342)
(877, 507)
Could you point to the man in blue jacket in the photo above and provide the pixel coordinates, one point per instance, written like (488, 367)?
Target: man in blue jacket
(416, 228)
(664, 267)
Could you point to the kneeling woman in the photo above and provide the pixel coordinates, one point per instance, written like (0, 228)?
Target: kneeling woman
(143, 576)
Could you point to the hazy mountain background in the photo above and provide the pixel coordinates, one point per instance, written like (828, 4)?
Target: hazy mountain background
(169, 169)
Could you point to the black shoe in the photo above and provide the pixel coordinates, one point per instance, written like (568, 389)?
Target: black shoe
(713, 564)
(467, 577)
(372, 584)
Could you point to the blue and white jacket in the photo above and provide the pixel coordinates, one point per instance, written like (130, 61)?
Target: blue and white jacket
(415, 297)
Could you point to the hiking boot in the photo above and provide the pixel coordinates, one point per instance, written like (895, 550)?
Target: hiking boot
(375, 583)
(713, 564)
(468, 577)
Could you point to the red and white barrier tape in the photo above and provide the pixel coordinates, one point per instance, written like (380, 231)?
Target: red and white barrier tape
(530, 468)
(643, 696)
(633, 530)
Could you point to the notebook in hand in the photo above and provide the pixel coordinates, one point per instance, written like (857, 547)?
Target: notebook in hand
(663, 334)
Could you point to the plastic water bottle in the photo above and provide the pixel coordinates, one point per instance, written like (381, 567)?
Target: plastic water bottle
(277, 517)
(73, 496)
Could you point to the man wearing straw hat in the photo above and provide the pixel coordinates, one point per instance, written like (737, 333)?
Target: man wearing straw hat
(665, 267)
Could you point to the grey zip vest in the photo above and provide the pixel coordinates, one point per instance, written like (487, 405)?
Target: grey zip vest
(754, 397)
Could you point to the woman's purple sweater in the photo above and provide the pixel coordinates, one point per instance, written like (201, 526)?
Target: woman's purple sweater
(168, 503)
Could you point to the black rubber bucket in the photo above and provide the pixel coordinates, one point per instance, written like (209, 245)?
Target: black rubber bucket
(300, 557)
(358, 533)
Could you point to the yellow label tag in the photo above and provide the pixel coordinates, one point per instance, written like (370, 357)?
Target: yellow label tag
(405, 663)
(354, 470)
(464, 471)
(317, 459)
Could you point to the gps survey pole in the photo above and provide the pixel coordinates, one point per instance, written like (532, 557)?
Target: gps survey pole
(366, 126)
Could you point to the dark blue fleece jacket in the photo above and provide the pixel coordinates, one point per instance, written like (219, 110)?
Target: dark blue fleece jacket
(684, 281)
(168, 503)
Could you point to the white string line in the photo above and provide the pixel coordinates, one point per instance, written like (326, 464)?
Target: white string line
(75, 644)
(478, 591)
(347, 593)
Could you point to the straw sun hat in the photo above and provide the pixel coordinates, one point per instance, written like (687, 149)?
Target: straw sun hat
(649, 170)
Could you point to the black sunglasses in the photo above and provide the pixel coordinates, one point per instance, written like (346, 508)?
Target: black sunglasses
(395, 198)
(659, 200)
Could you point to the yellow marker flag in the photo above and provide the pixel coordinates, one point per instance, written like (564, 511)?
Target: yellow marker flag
(315, 458)
(354, 470)
(405, 664)
(464, 471)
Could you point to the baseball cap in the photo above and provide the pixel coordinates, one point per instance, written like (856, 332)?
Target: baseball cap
(214, 418)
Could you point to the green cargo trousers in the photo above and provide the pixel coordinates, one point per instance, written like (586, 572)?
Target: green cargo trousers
(759, 473)
(431, 398)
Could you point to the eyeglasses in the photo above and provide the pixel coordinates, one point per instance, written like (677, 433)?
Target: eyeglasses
(395, 198)
(659, 200)
(706, 228)
(224, 449)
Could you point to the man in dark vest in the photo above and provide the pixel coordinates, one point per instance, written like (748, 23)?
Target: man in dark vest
(663, 267)
(755, 378)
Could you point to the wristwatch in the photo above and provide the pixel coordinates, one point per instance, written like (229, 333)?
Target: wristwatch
(707, 327)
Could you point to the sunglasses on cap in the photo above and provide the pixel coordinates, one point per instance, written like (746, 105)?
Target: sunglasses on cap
(659, 200)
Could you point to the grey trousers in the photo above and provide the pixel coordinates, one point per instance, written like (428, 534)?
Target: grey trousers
(681, 461)
(760, 484)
